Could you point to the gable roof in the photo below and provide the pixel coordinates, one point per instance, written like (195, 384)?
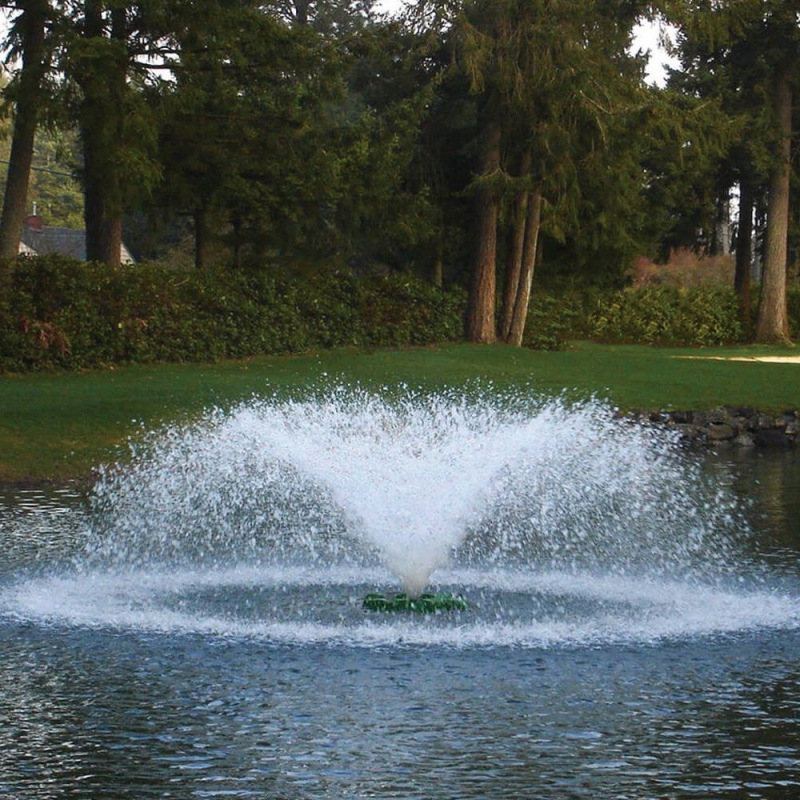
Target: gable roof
(38, 239)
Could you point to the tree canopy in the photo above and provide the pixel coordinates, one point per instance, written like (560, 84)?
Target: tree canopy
(475, 142)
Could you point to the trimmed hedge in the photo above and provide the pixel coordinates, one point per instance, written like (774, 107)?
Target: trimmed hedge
(61, 313)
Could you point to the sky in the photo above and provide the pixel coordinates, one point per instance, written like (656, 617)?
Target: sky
(646, 38)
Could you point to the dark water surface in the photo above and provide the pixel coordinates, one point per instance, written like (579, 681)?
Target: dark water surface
(557, 692)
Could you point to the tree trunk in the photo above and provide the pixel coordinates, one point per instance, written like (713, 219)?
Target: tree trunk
(103, 227)
(480, 324)
(202, 237)
(744, 251)
(301, 15)
(26, 113)
(522, 300)
(437, 277)
(236, 224)
(773, 317)
(101, 123)
(437, 274)
(515, 252)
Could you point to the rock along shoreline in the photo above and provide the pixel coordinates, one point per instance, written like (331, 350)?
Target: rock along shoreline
(727, 426)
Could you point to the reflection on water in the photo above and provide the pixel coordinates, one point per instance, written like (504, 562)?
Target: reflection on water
(770, 482)
(40, 527)
(98, 712)
(97, 716)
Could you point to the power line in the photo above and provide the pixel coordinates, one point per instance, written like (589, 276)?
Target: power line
(44, 169)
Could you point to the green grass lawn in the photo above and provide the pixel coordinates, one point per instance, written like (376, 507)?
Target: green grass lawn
(58, 426)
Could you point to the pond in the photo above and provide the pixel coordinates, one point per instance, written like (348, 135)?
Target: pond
(156, 642)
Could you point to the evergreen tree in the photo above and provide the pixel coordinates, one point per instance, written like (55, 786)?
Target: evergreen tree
(111, 53)
(26, 92)
(286, 144)
(549, 79)
(336, 18)
(753, 48)
(246, 135)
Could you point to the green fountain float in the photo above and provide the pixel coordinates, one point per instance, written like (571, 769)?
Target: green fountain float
(424, 604)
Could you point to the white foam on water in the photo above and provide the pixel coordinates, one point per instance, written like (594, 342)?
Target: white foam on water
(592, 610)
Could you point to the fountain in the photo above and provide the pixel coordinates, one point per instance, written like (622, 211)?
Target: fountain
(289, 517)
(530, 520)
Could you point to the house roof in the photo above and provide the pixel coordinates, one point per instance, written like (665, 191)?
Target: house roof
(71, 242)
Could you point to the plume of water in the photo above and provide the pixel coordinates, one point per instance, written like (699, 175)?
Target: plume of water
(417, 480)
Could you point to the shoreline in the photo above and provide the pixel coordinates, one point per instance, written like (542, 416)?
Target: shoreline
(727, 426)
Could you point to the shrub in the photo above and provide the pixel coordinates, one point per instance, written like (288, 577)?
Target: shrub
(556, 319)
(64, 313)
(399, 310)
(68, 314)
(669, 316)
(685, 267)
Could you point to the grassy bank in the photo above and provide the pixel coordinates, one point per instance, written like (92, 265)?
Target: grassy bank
(57, 426)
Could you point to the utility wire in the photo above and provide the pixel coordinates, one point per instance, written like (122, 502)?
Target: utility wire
(44, 169)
